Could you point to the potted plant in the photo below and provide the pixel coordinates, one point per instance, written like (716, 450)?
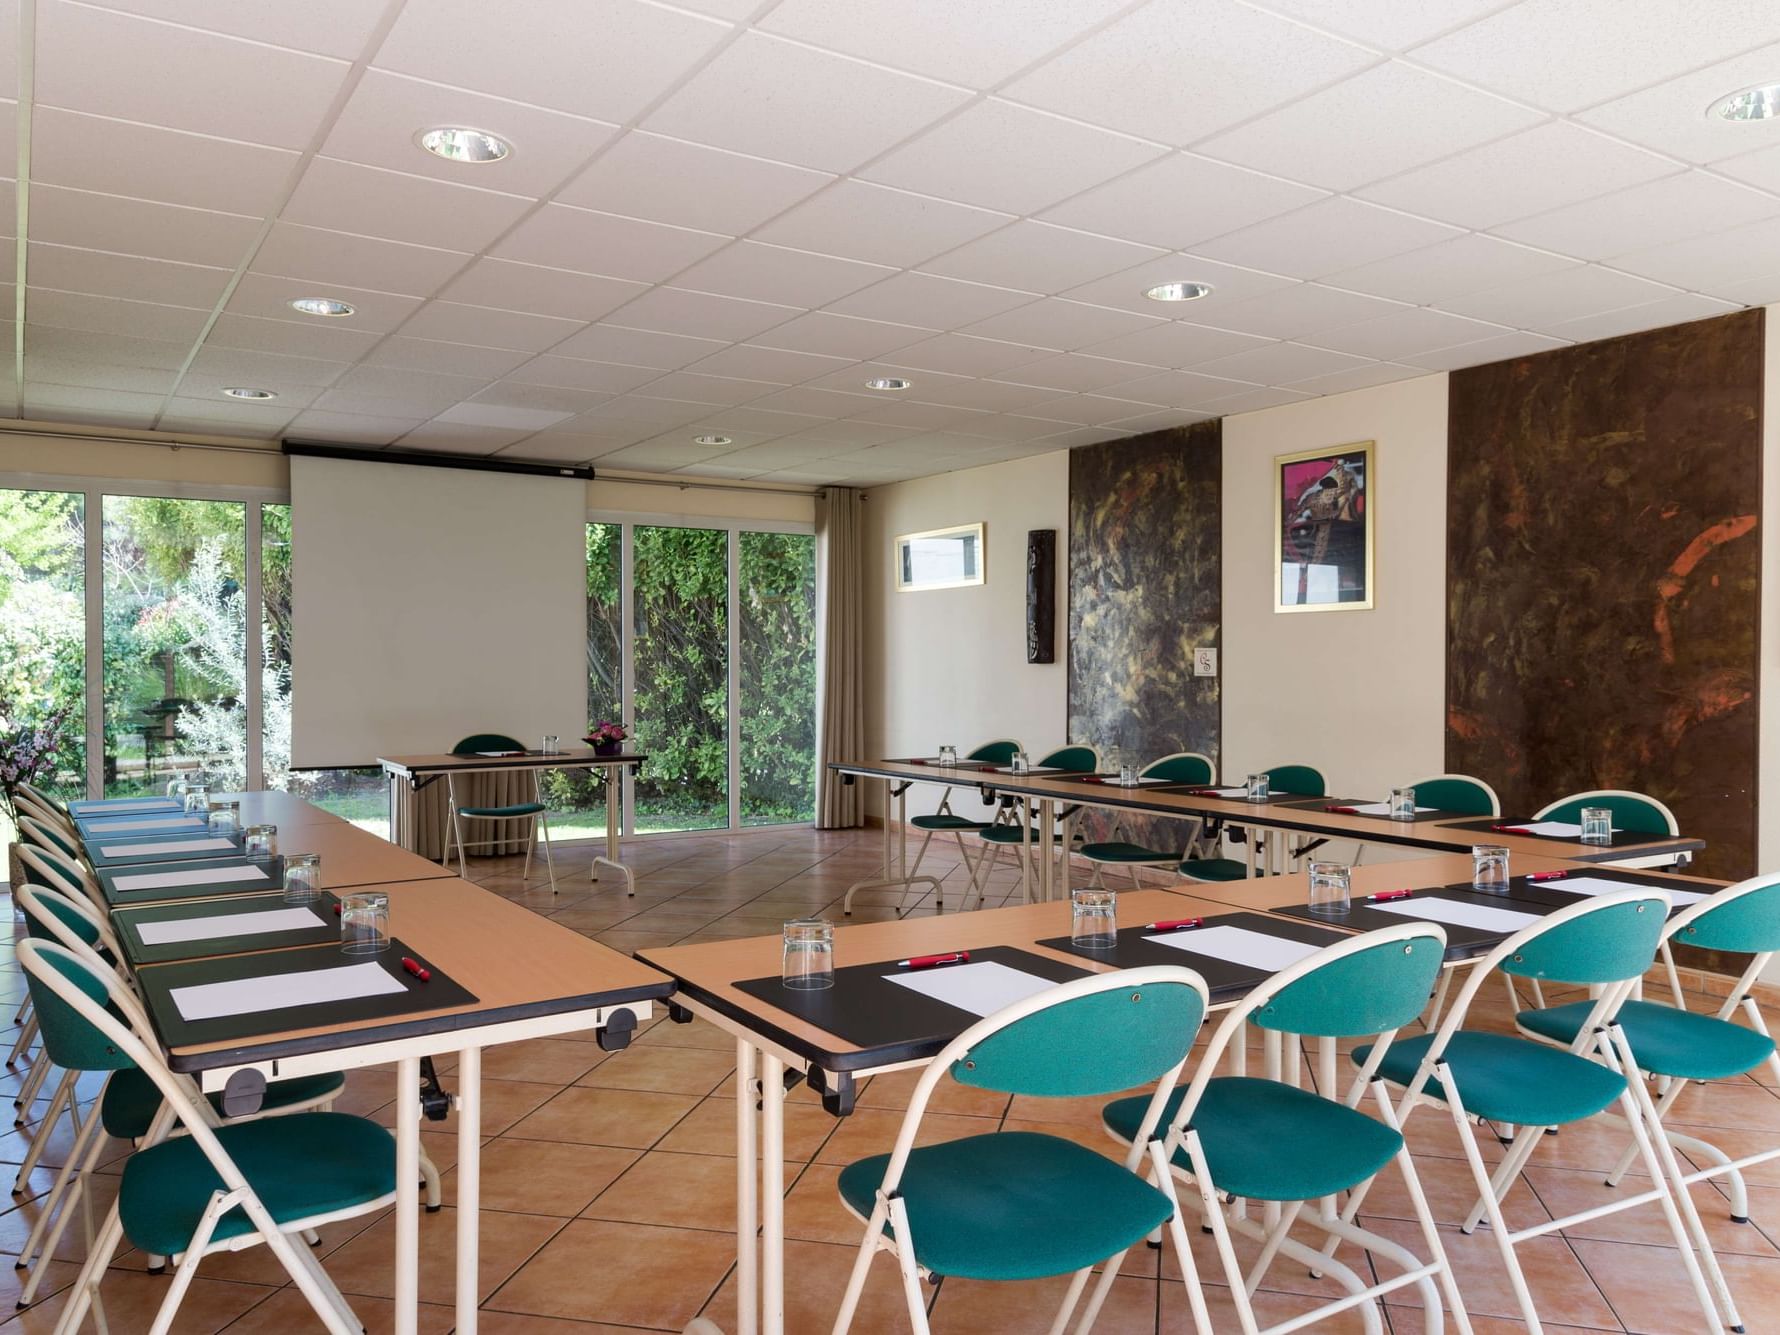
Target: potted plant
(607, 739)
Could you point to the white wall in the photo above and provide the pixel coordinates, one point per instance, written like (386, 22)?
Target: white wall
(949, 665)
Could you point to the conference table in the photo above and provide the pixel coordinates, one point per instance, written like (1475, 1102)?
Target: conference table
(499, 974)
(1432, 832)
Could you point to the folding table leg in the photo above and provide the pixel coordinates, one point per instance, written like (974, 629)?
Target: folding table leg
(469, 1186)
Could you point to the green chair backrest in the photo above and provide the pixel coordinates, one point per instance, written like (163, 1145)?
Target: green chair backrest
(486, 741)
(73, 1042)
(37, 795)
(52, 900)
(1609, 946)
(1746, 923)
(996, 753)
(1372, 991)
(43, 836)
(1299, 780)
(1096, 1044)
(1185, 767)
(1631, 811)
(1457, 792)
(1075, 759)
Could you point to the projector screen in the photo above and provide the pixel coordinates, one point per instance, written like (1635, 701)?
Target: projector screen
(432, 603)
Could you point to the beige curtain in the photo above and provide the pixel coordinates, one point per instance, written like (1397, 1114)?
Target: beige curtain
(840, 703)
(421, 819)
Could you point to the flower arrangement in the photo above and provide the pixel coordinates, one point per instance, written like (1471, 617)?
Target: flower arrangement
(606, 738)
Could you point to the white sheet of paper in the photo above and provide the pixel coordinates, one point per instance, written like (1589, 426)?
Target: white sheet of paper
(248, 996)
(1380, 808)
(166, 880)
(1555, 829)
(123, 804)
(1238, 945)
(500, 755)
(1232, 792)
(168, 846)
(150, 823)
(1033, 769)
(982, 988)
(1600, 885)
(1432, 908)
(227, 924)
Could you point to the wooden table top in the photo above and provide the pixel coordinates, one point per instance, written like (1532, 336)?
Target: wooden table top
(285, 810)
(351, 856)
(445, 762)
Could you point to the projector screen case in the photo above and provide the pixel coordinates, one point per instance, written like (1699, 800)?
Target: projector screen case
(432, 603)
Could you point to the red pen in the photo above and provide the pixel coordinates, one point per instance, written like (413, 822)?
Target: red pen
(929, 961)
(419, 970)
(1344, 811)
(1384, 896)
(1547, 875)
(1509, 829)
(1174, 925)
(1206, 792)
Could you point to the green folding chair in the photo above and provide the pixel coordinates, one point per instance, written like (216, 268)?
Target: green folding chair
(533, 817)
(946, 821)
(1021, 833)
(1266, 1139)
(1457, 792)
(1179, 767)
(215, 1188)
(1294, 780)
(1631, 811)
(1606, 944)
(1017, 1205)
(34, 832)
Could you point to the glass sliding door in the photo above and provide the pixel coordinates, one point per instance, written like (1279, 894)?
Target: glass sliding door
(42, 642)
(275, 645)
(577, 798)
(776, 685)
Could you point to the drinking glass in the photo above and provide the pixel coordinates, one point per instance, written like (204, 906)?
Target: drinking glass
(1018, 763)
(1331, 885)
(550, 747)
(1255, 787)
(948, 755)
(1597, 825)
(176, 788)
(260, 842)
(302, 878)
(1402, 804)
(809, 954)
(1489, 868)
(1093, 919)
(1127, 774)
(197, 798)
(364, 923)
(225, 817)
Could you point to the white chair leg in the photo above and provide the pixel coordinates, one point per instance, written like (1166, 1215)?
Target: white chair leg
(27, 1033)
(911, 1274)
(435, 1196)
(874, 1230)
(531, 842)
(549, 861)
(85, 1291)
(46, 1128)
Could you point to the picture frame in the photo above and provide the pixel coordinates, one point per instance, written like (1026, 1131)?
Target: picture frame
(1324, 529)
(940, 558)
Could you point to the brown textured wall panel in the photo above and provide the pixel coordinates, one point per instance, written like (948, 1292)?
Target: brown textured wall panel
(1145, 588)
(1603, 566)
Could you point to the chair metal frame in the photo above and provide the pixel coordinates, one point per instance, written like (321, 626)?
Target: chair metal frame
(1026, 852)
(539, 822)
(1195, 843)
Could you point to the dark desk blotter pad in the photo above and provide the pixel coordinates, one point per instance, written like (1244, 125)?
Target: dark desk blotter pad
(101, 862)
(1322, 805)
(119, 899)
(1621, 838)
(932, 762)
(415, 998)
(1546, 894)
(867, 1010)
(1461, 942)
(325, 933)
(1225, 979)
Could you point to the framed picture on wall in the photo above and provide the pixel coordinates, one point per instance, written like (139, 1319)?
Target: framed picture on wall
(940, 558)
(1323, 529)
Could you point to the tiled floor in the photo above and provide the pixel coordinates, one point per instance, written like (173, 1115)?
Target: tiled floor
(608, 1180)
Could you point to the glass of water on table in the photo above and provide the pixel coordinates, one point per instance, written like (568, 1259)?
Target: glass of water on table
(809, 954)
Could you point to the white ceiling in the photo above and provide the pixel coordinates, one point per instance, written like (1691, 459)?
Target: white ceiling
(721, 217)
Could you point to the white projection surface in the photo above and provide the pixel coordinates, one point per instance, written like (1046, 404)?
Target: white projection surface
(432, 603)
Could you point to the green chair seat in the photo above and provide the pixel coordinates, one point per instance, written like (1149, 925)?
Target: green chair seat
(1012, 834)
(1508, 1079)
(131, 1099)
(1120, 852)
(517, 809)
(1665, 1040)
(301, 1166)
(1213, 869)
(1012, 1205)
(947, 821)
(1270, 1142)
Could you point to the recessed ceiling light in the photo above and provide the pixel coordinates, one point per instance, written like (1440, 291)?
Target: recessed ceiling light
(457, 143)
(243, 392)
(321, 306)
(888, 383)
(1752, 104)
(712, 440)
(1178, 291)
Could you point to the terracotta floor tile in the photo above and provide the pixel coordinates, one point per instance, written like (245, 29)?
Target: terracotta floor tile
(1650, 1293)
(710, 1129)
(545, 1177)
(816, 1278)
(1567, 1191)
(697, 1034)
(286, 1311)
(873, 1131)
(552, 1061)
(626, 1274)
(664, 1069)
(964, 1306)
(504, 1102)
(363, 1265)
(626, 1118)
(675, 1190)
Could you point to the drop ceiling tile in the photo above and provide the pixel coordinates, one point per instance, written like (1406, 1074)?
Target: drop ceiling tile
(1499, 348)
(9, 197)
(851, 380)
(695, 388)
(841, 336)
(1229, 283)
(1281, 363)
(106, 315)
(1325, 238)
(1394, 25)
(1654, 214)
(92, 60)
(1410, 330)
(761, 272)
(652, 456)
(722, 105)
(1000, 156)
(269, 298)
(841, 437)
(604, 243)
(105, 347)
(138, 227)
(318, 256)
(1534, 303)
(1672, 116)
(1254, 400)
(909, 298)
(1448, 269)
(775, 364)
(777, 454)
(1570, 54)
(1547, 167)
(454, 322)
(873, 222)
(146, 162)
(1159, 419)
(1308, 308)
(378, 125)
(1679, 309)
(508, 285)
(370, 201)
(377, 391)
(960, 354)
(349, 428)
(44, 369)
(1243, 62)
(995, 396)
(66, 402)
(1075, 373)
(637, 347)
(1180, 200)
(1091, 409)
(920, 416)
(689, 185)
(460, 438)
(1763, 290)
(209, 389)
(1760, 169)
(564, 447)
(573, 373)
(1174, 344)
(327, 27)
(249, 368)
(671, 310)
(424, 354)
(1053, 322)
(547, 398)
(814, 402)
(210, 416)
(603, 58)
(1039, 257)
(1708, 263)
(752, 422)
(659, 413)
(1361, 377)
(1170, 389)
(291, 339)
(502, 416)
(69, 269)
